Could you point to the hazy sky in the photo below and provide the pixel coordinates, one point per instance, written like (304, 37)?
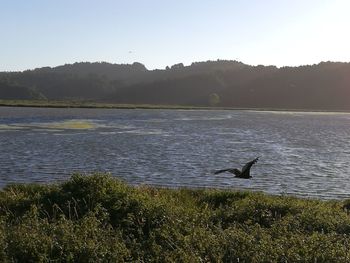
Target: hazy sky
(158, 33)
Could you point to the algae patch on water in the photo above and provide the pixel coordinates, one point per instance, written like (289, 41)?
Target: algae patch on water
(52, 126)
(6, 127)
(72, 125)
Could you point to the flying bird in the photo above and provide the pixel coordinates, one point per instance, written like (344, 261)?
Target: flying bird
(245, 173)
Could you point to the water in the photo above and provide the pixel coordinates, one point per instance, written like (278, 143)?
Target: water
(303, 154)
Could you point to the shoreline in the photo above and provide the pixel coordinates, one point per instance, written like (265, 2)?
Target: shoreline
(98, 105)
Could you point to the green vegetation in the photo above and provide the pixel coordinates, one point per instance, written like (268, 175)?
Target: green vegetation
(214, 99)
(89, 104)
(97, 105)
(101, 219)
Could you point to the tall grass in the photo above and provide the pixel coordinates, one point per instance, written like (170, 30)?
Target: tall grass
(100, 219)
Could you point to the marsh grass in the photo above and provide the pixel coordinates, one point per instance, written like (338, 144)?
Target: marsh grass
(98, 218)
(91, 104)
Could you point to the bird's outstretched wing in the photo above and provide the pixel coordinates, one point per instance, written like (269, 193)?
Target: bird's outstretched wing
(222, 171)
(249, 164)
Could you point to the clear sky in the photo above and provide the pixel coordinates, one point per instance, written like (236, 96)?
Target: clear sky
(157, 33)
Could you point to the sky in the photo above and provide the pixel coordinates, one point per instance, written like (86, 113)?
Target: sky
(160, 33)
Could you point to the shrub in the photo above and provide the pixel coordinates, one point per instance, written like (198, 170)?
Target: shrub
(98, 218)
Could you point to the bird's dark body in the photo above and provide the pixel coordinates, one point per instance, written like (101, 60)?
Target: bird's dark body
(244, 174)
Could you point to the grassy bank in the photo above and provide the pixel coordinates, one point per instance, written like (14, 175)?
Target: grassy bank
(94, 105)
(98, 105)
(83, 104)
(100, 219)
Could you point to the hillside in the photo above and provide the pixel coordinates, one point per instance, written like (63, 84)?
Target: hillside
(325, 86)
(12, 91)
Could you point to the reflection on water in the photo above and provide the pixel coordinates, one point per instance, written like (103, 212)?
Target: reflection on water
(305, 154)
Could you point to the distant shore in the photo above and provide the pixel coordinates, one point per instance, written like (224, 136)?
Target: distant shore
(101, 105)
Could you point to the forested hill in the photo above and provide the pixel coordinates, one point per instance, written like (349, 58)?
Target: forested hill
(325, 86)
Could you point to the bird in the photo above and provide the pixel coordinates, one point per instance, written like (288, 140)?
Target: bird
(244, 174)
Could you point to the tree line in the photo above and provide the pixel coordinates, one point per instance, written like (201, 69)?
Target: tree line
(324, 86)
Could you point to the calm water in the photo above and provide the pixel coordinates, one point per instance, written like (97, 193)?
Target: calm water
(304, 154)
